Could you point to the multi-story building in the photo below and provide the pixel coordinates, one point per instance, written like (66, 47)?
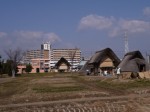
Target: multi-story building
(43, 53)
(31, 54)
(38, 65)
(34, 54)
(73, 56)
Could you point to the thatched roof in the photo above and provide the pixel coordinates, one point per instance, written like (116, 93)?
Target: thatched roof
(131, 62)
(62, 60)
(134, 54)
(100, 56)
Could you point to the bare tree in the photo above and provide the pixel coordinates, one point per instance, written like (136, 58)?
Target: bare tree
(71, 54)
(15, 56)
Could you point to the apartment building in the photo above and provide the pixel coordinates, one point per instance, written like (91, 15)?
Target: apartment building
(73, 56)
(43, 53)
(36, 54)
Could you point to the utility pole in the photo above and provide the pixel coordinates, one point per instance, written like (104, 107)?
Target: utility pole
(126, 42)
(148, 58)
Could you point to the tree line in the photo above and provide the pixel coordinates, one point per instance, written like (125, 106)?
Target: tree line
(10, 66)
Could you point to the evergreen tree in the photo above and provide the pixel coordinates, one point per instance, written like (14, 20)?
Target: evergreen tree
(28, 68)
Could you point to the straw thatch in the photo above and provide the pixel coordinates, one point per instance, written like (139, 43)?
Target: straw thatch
(133, 62)
(62, 65)
(98, 58)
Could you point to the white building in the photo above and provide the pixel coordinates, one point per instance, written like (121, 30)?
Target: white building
(73, 56)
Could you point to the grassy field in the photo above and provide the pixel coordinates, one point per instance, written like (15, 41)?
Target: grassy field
(29, 88)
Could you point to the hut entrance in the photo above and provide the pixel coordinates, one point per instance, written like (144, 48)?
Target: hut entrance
(106, 67)
(106, 71)
(142, 67)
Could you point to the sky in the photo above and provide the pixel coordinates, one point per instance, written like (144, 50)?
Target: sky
(90, 25)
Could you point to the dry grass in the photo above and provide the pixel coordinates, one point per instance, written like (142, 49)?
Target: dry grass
(52, 87)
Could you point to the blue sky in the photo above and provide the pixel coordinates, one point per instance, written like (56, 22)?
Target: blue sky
(90, 25)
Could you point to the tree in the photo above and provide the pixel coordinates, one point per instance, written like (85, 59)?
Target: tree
(71, 54)
(14, 56)
(28, 68)
(1, 66)
(7, 67)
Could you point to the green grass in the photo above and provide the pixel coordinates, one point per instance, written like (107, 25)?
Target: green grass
(13, 87)
(142, 83)
(58, 89)
(37, 74)
(54, 74)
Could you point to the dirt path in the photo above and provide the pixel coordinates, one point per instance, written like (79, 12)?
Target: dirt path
(126, 97)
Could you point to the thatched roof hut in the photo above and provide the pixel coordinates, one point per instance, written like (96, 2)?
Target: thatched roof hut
(102, 55)
(102, 60)
(133, 62)
(63, 65)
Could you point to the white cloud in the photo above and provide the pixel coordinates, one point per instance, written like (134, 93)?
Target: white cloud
(134, 26)
(114, 31)
(131, 26)
(52, 37)
(33, 35)
(146, 11)
(3, 34)
(95, 22)
(27, 34)
(113, 26)
(26, 39)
